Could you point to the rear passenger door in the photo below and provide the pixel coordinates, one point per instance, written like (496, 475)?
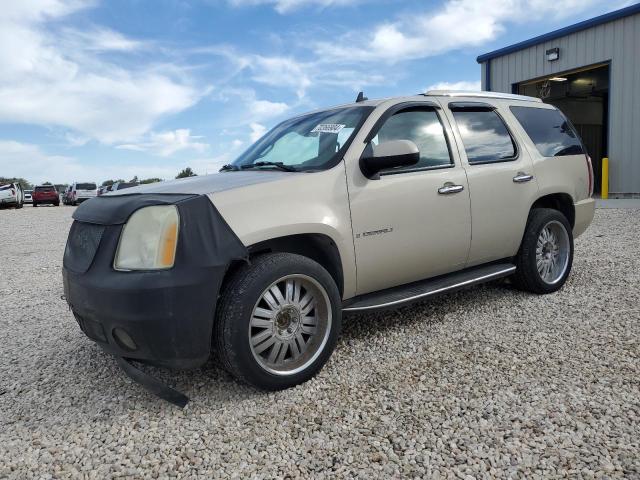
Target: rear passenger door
(502, 185)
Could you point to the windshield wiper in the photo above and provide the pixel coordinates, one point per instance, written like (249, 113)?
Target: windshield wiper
(228, 167)
(279, 165)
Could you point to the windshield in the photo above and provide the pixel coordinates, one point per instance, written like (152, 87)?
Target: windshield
(310, 142)
(45, 189)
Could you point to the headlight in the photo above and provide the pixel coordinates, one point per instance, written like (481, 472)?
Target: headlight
(149, 239)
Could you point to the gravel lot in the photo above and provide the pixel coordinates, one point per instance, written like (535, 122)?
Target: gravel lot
(487, 382)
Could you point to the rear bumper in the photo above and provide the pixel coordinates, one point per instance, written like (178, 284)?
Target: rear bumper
(584, 212)
(46, 200)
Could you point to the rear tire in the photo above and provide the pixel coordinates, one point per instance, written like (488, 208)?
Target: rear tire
(546, 253)
(35, 204)
(266, 333)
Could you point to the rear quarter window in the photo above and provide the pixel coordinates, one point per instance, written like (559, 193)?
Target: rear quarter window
(550, 131)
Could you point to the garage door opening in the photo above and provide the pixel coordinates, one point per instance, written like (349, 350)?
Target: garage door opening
(583, 96)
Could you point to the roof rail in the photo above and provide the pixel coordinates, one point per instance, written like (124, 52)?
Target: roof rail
(462, 93)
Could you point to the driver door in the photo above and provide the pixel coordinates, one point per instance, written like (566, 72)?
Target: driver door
(410, 224)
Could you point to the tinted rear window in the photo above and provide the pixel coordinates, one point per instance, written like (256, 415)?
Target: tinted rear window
(85, 186)
(45, 189)
(549, 130)
(485, 136)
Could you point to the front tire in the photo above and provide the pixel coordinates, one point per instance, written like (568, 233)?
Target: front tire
(278, 321)
(546, 253)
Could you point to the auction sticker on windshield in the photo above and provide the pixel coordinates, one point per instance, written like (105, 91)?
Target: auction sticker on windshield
(328, 128)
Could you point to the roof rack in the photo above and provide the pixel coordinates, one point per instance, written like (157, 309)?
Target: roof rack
(462, 93)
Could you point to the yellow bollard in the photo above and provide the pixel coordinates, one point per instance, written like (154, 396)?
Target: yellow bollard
(605, 179)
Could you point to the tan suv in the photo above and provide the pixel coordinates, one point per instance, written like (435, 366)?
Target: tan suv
(365, 206)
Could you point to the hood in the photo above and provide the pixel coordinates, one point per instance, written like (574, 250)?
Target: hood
(206, 184)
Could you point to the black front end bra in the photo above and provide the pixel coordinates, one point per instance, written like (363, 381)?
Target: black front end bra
(160, 317)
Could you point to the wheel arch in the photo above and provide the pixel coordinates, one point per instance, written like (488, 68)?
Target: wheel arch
(562, 202)
(317, 246)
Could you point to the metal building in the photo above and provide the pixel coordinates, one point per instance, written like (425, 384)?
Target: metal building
(591, 71)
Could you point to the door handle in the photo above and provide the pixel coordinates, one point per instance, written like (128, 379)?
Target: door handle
(522, 177)
(449, 188)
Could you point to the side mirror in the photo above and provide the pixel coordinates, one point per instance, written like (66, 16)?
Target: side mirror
(394, 153)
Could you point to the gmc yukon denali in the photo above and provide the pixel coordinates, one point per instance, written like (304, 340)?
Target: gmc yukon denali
(364, 206)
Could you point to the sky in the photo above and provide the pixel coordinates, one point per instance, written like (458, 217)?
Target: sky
(92, 90)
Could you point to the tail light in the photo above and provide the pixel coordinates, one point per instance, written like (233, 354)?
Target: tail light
(590, 170)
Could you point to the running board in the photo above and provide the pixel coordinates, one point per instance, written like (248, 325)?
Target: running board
(412, 292)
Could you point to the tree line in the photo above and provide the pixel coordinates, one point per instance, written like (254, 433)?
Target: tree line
(27, 185)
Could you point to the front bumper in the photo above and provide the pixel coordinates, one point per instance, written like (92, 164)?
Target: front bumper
(168, 314)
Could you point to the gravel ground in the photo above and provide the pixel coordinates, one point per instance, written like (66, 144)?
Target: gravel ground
(489, 382)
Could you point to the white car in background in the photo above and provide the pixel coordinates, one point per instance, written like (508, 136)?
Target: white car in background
(81, 191)
(27, 196)
(11, 195)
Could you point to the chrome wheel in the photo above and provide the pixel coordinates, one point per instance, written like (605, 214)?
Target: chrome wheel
(290, 324)
(552, 252)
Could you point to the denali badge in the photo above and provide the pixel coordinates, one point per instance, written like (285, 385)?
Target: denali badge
(375, 232)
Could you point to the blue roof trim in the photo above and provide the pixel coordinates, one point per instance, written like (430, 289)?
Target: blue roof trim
(562, 32)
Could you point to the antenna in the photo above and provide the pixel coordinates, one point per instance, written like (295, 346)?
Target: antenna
(361, 97)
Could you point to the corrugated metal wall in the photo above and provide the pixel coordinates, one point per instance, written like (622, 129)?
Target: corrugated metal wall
(618, 42)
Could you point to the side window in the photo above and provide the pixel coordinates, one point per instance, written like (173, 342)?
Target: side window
(422, 127)
(485, 136)
(549, 130)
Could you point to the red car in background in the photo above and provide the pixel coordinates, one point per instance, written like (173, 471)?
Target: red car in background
(45, 194)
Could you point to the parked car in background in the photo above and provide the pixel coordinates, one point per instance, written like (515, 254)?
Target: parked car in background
(45, 194)
(104, 189)
(81, 191)
(65, 196)
(122, 185)
(11, 195)
(27, 196)
(397, 200)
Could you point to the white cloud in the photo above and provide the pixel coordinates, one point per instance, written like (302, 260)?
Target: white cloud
(457, 24)
(264, 109)
(167, 143)
(56, 78)
(463, 85)
(103, 40)
(257, 131)
(30, 162)
(280, 72)
(286, 6)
